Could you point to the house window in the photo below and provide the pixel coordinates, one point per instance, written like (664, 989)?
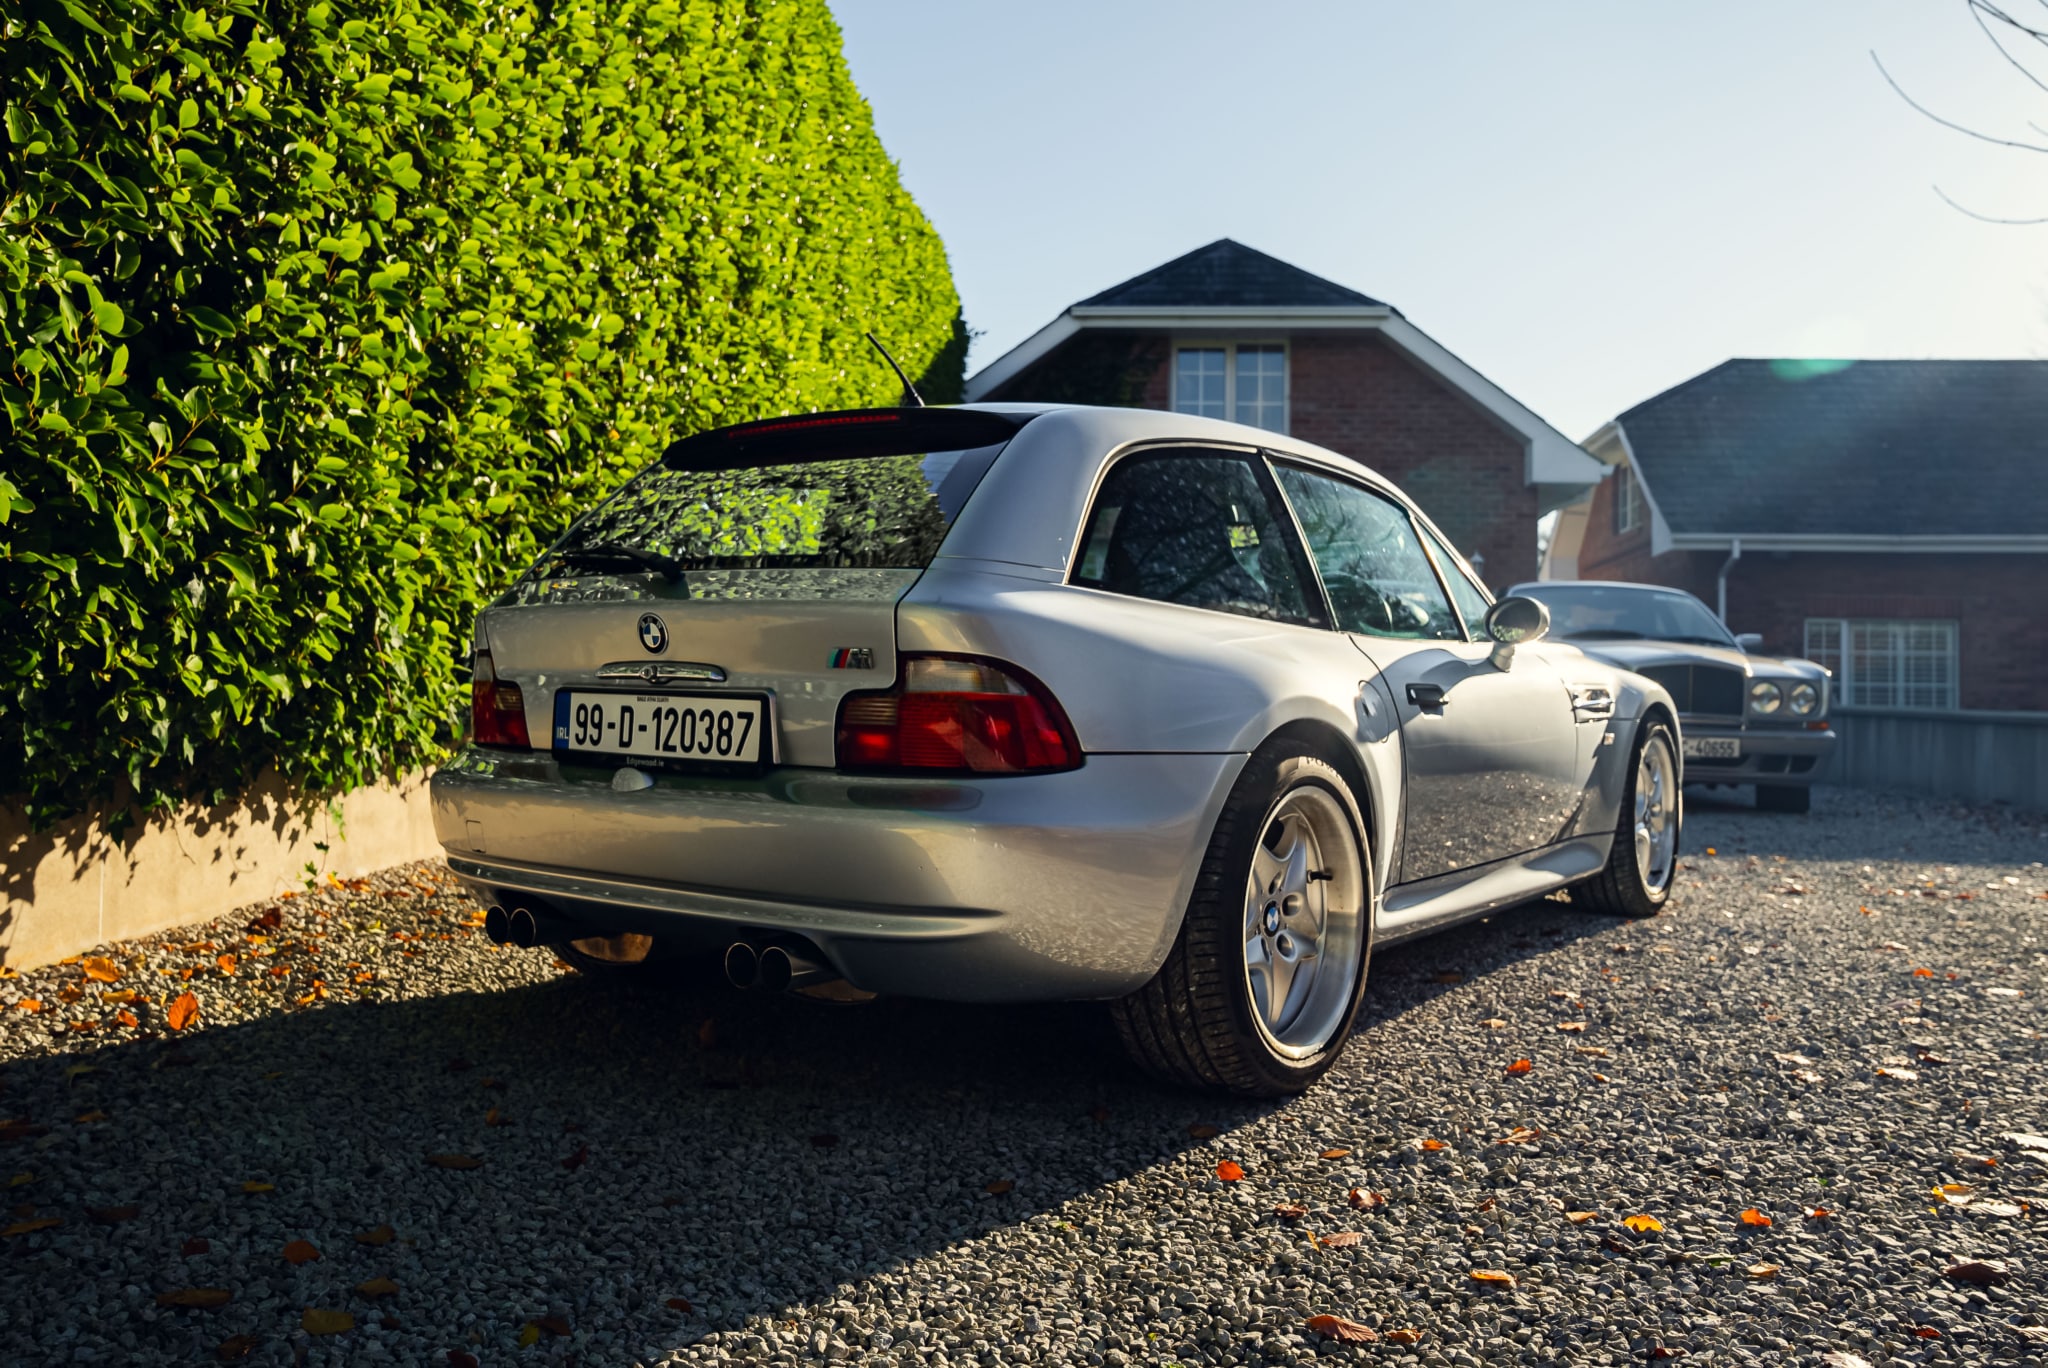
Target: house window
(1628, 501)
(1887, 662)
(1244, 382)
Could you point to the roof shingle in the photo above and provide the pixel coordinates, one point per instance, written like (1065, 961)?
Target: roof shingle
(1872, 448)
(1228, 274)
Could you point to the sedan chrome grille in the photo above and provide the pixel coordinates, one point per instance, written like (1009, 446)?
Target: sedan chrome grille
(1701, 690)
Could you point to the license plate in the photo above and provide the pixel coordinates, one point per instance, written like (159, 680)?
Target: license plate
(1713, 748)
(718, 729)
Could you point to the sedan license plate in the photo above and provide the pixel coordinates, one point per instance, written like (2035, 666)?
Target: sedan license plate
(718, 729)
(1713, 748)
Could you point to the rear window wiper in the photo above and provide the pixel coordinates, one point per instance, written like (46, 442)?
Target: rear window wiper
(618, 553)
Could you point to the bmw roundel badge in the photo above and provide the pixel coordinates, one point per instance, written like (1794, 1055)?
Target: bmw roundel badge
(653, 633)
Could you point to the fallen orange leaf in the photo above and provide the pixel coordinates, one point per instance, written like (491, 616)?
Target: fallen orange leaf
(300, 1252)
(1000, 1186)
(382, 1235)
(1343, 1239)
(30, 1005)
(1923, 973)
(1520, 1066)
(1571, 1027)
(378, 1287)
(1361, 1200)
(1404, 1336)
(1229, 1171)
(1338, 1328)
(1642, 1223)
(1763, 1270)
(681, 1304)
(1202, 1130)
(226, 963)
(1336, 1154)
(30, 1227)
(100, 969)
(127, 1018)
(1580, 1217)
(1494, 1024)
(1290, 1211)
(1983, 1272)
(1753, 1217)
(1818, 1213)
(1520, 1135)
(317, 1321)
(253, 1186)
(494, 1117)
(181, 1012)
(1493, 1276)
(1432, 1145)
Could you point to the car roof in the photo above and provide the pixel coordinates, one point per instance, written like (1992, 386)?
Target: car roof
(1527, 585)
(1111, 426)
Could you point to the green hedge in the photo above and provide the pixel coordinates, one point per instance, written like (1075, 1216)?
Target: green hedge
(318, 319)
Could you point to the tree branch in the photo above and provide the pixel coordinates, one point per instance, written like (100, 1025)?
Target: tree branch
(1984, 218)
(1950, 123)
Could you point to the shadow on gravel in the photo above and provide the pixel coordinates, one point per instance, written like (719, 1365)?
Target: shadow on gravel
(745, 1153)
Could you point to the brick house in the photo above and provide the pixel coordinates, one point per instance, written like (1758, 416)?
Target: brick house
(1234, 333)
(1888, 519)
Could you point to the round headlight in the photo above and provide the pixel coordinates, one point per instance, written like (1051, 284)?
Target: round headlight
(1765, 697)
(1804, 698)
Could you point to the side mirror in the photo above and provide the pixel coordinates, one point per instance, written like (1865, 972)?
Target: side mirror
(1512, 622)
(1750, 642)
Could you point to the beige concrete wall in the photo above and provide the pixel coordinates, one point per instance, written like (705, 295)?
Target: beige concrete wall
(75, 887)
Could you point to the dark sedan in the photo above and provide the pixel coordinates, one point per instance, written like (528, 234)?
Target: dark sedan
(1747, 718)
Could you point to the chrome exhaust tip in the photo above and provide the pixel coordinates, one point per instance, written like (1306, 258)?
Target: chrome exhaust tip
(497, 925)
(783, 969)
(742, 965)
(523, 928)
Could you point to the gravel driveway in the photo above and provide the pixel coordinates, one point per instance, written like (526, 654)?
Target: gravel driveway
(1840, 1013)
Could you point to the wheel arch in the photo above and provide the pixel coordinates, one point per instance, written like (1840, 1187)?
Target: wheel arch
(1333, 747)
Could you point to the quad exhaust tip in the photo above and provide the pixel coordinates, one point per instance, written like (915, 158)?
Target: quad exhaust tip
(523, 927)
(497, 925)
(742, 965)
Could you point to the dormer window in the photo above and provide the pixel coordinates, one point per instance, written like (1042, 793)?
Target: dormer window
(1244, 382)
(1628, 501)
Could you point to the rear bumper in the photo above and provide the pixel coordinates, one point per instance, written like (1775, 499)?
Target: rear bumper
(1768, 756)
(1026, 888)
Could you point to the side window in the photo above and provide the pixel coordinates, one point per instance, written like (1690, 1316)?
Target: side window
(1379, 581)
(1196, 529)
(1471, 603)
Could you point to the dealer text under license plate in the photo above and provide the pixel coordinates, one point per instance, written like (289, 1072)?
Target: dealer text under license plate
(715, 728)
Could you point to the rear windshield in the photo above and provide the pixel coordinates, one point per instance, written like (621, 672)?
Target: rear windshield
(863, 512)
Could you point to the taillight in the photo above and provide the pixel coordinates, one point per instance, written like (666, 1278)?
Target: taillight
(497, 712)
(960, 714)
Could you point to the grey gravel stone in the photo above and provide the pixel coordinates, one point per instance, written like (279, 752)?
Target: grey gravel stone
(1117, 1245)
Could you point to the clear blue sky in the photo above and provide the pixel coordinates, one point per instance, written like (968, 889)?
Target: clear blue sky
(1589, 200)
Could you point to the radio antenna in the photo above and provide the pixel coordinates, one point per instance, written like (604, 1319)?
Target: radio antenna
(911, 398)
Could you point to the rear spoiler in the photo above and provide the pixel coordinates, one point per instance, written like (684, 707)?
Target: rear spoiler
(843, 434)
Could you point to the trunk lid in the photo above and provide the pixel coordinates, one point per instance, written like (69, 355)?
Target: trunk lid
(765, 559)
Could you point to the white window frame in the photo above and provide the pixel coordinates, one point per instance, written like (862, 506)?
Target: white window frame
(1628, 501)
(1832, 642)
(1229, 349)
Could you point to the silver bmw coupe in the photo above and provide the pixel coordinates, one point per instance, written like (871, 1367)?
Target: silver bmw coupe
(1008, 703)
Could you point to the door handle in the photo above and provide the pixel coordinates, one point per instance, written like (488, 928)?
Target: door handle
(1428, 697)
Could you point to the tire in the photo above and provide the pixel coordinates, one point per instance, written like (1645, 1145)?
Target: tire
(1784, 798)
(1632, 884)
(1291, 824)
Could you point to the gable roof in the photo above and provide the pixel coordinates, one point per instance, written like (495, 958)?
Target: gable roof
(1847, 449)
(1229, 275)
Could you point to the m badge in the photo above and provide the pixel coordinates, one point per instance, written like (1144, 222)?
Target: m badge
(853, 658)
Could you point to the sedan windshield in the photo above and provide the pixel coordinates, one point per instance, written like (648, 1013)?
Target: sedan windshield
(1612, 612)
